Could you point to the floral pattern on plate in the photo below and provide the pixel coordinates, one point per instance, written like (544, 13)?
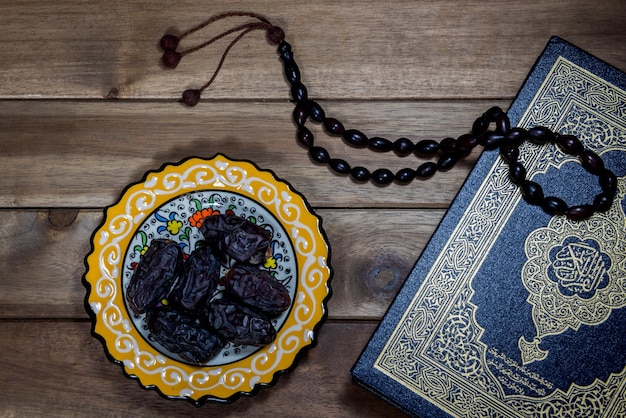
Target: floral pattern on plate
(172, 203)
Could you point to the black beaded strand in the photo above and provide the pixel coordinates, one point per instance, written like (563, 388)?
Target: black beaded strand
(503, 137)
(449, 150)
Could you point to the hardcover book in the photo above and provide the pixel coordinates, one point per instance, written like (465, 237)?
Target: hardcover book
(511, 312)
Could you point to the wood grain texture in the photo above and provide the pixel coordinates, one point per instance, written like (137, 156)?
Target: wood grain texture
(361, 49)
(83, 154)
(86, 109)
(56, 369)
(372, 251)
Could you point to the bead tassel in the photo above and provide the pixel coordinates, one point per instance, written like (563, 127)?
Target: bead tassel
(451, 150)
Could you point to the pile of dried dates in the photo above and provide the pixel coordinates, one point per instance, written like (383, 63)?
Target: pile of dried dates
(194, 323)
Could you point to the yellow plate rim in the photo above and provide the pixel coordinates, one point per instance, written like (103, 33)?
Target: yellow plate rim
(112, 325)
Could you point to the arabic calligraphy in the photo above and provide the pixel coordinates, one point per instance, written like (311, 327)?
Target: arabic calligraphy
(580, 268)
(574, 275)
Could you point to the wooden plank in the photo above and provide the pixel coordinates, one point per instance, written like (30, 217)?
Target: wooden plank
(42, 263)
(67, 149)
(56, 369)
(373, 251)
(364, 49)
(42, 259)
(83, 154)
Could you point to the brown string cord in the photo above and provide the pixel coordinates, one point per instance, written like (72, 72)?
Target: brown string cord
(220, 17)
(248, 26)
(171, 57)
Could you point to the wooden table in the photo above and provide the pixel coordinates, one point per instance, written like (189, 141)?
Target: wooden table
(85, 109)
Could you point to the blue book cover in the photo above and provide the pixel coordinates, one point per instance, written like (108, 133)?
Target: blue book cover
(510, 312)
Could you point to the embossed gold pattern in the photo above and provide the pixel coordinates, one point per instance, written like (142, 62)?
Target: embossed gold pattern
(576, 251)
(436, 349)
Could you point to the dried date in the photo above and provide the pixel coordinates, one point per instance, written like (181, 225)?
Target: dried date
(239, 324)
(200, 317)
(154, 275)
(237, 237)
(182, 334)
(198, 280)
(257, 288)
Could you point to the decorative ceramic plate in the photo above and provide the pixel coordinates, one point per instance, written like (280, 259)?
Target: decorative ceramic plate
(171, 203)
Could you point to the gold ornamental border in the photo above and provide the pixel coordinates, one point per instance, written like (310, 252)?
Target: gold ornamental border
(441, 316)
(124, 344)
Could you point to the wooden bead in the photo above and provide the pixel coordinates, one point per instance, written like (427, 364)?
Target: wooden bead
(554, 205)
(170, 59)
(540, 135)
(427, 147)
(608, 182)
(591, 162)
(191, 97)
(448, 145)
(403, 146)
(509, 152)
(287, 57)
(503, 124)
(405, 175)
(380, 144)
(446, 162)
(333, 126)
(516, 135)
(490, 140)
(284, 47)
(299, 92)
(494, 113)
(292, 72)
(480, 126)
(319, 154)
(360, 173)
(355, 138)
(169, 42)
(517, 173)
(532, 192)
(425, 170)
(305, 137)
(579, 213)
(300, 114)
(602, 202)
(339, 165)
(466, 143)
(382, 176)
(275, 34)
(569, 144)
(315, 111)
